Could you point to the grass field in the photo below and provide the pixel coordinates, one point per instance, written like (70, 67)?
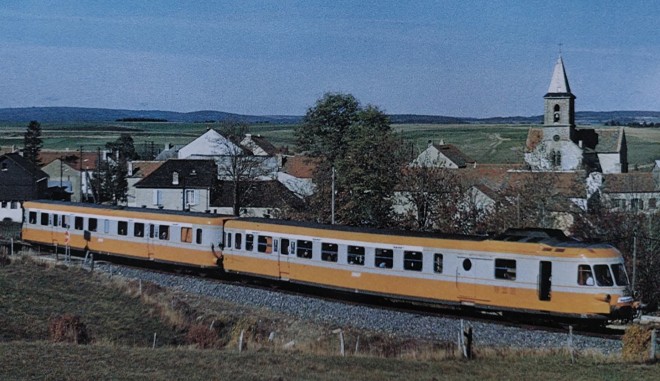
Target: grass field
(485, 143)
(122, 322)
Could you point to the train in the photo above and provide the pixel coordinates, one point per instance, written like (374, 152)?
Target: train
(530, 271)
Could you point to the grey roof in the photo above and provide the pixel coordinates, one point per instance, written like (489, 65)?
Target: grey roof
(559, 81)
(454, 154)
(191, 173)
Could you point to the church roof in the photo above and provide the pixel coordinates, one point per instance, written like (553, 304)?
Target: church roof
(559, 82)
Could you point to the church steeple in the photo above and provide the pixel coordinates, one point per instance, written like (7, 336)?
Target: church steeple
(559, 101)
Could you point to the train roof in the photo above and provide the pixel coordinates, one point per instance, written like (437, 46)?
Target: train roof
(167, 212)
(550, 237)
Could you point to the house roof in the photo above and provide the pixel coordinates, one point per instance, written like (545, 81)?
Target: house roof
(71, 158)
(263, 194)
(191, 173)
(143, 168)
(632, 182)
(609, 139)
(20, 179)
(261, 142)
(26, 165)
(559, 81)
(454, 154)
(302, 167)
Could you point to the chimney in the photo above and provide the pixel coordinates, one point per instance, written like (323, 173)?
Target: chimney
(430, 143)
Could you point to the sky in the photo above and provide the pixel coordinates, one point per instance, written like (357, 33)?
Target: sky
(459, 58)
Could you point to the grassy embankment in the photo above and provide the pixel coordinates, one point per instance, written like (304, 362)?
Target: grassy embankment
(121, 318)
(485, 143)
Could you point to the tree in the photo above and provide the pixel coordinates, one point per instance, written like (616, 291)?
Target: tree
(123, 148)
(238, 166)
(359, 144)
(114, 185)
(32, 143)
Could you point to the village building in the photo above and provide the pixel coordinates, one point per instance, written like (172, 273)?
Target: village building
(20, 180)
(442, 156)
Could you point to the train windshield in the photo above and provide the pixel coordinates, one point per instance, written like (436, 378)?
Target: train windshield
(603, 275)
(620, 274)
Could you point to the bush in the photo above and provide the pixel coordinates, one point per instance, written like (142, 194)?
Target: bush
(636, 343)
(202, 336)
(68, 329)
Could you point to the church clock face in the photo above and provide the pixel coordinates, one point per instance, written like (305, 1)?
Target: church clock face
(556, 138)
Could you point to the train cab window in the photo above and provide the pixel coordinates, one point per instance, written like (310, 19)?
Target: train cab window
(249, 242)
(355, 255)
(198, 236)
(186, 235)
(56, 220)
(620, 275)
(384, 258)
(585, 276)
(304, 249)
(92, 224)
(286, 249)
(239, 241)
(229, 240)
(44, 219)
(138, 229)
(603, 276)
(505, 269)
(32, 218)
(265, 244)
(164, 232)
(437, 263)
(412, 260)
(329, 252)
(122, 227)
(78, 223)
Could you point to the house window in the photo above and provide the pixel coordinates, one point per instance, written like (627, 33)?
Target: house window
(505, 269)
(192, 197)
(355, 255)
(175, 178)
(4, 204)
(412, 260)
(384, 258)
(14, 204)
(158, 197)
(329, 252)
(636, 204)
(652, 203)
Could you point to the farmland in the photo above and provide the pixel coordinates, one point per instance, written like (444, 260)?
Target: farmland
(486, 143)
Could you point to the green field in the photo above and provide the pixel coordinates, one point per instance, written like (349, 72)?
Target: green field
(486, 143)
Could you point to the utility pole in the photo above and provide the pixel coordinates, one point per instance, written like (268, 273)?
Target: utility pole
(332, 205)
(81, 174)
(634, 274)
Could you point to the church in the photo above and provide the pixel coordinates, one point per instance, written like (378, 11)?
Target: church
(560, 146)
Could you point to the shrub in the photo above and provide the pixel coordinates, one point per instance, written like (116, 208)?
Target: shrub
(68, 329)
(202, 336)
(636, 343)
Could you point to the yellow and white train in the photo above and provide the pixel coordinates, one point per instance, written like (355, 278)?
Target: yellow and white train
(530, 271)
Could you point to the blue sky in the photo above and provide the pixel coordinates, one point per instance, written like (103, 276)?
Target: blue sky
(457, 58)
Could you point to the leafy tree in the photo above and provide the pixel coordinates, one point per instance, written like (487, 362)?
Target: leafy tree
(114, 185)
(123, 148)
(359, 144)
(32, 143)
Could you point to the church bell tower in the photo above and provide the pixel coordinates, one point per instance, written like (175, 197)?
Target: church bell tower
(559, 112)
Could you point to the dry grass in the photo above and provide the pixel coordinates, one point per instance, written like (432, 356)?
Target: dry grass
(68, 329)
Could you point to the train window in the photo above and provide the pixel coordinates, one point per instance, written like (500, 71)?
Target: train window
(265, 244)
(505, 269)
(620, 275)
(285, 246)
(239, 240)
(122, 227)
(304, 249)
(138, 229)
(437, 263)
(78, 223)
(603, 276)
(249, 242)
(412, 260)
(186, 235)
(56, 220)
(355, 255)
(329, 252)
(65, 221)
(92, 224)
(198, 236)
(164, 232)
(585, 276)
(152, 231)
(32, 217)
(384, 258)
(229, 240)
(44, 219)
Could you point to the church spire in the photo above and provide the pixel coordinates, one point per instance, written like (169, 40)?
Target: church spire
(559, 82)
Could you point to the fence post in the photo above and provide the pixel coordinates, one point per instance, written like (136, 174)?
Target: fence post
(653, 344)
(91, 258)
(240, 341)
(570, 343)
(154, 344)
(341, 343)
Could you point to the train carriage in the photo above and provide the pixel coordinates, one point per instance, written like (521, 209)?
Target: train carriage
(138, 233)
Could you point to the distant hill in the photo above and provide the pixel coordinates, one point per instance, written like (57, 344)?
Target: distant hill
(79, 114)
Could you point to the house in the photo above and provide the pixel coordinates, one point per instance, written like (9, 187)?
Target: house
(20, 180)
(138, 170)
(262, 199)
(444, 156)
(637, 192)
(211, 144)
(561, 146)
(66, 170)
(178, 184)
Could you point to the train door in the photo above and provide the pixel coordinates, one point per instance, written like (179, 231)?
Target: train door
(152, 237)
(469, 272)
(545, 280)
(285, 250)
